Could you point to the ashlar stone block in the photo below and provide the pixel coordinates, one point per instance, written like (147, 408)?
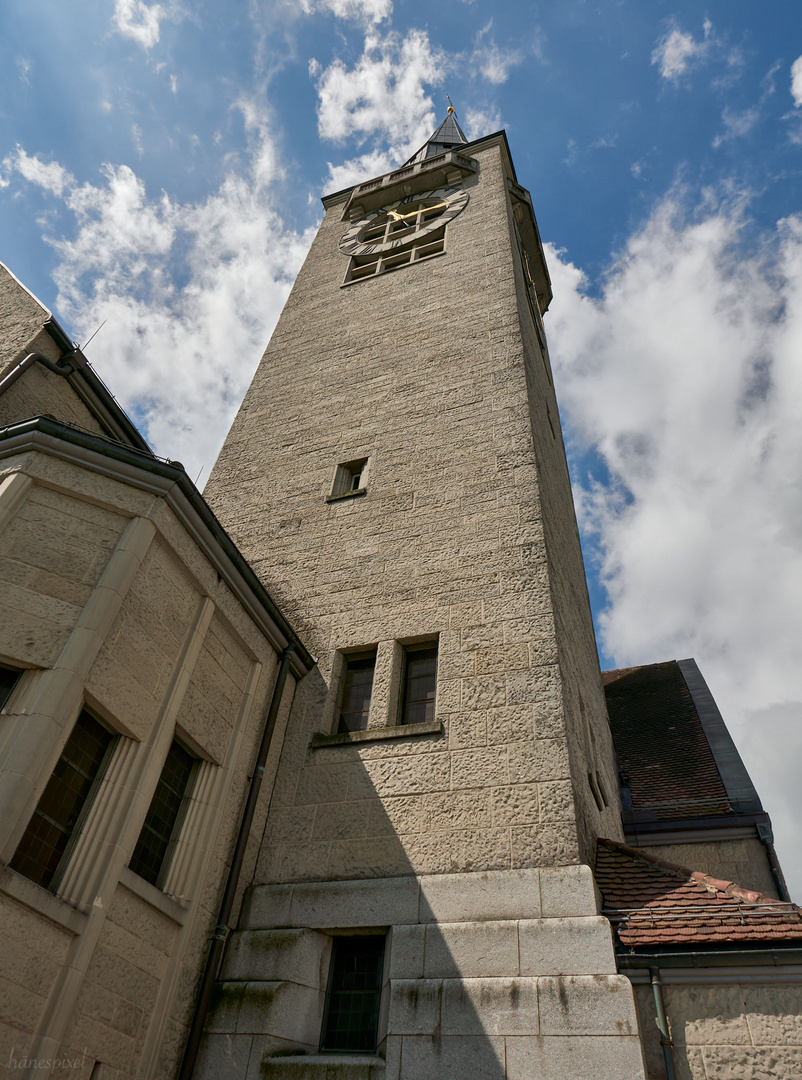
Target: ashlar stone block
(565, 1058)
(471, 950)
(495, 894)
(299, 956)
(572, 946)
(489, 1006)
(586, 1005)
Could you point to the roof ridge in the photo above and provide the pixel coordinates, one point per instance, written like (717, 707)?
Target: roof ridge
(696, 877)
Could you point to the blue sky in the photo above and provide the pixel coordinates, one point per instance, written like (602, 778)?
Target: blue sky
(161, 166)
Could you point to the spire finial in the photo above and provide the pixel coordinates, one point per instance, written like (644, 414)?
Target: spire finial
(451, 108)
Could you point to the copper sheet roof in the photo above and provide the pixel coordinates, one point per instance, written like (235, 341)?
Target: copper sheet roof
(652, 902)
(661, 746)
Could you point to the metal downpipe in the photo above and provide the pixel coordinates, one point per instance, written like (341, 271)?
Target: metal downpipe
(221, 931)
(662, 1022)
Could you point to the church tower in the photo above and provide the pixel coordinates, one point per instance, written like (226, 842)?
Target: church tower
(423, 905)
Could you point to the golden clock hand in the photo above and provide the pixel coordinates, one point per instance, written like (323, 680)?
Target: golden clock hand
(413, 213)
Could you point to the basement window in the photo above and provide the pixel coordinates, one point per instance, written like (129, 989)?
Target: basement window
(154, 848)
(61, 811)
(353, 996)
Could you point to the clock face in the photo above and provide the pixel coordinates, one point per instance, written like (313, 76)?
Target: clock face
(403, 222)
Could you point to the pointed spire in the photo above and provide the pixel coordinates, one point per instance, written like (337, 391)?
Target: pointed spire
(448, 135)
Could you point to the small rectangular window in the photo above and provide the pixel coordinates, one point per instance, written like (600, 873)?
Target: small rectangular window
(418, 684)
(165, 816)
(350, 478)
(353, 997)
(355, 691)
(60, 812)
(9, 677)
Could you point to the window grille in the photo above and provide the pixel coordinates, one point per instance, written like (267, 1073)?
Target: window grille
(353, 997)
(390, 228)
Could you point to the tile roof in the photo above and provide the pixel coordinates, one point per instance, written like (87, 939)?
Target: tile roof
(662, 749)
(652, 902)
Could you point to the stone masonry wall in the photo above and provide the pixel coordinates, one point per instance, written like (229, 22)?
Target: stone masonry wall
(423, 372)
(735, 1030)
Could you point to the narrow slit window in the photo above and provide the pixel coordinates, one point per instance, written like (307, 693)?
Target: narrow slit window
(60, 812)
(418, 684)
(356, 690)
(353, 997)
(165, 816)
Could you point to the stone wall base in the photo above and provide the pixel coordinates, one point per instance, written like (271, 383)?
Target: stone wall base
(505, 975)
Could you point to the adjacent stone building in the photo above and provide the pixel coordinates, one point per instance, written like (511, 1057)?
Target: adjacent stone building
(454, 861)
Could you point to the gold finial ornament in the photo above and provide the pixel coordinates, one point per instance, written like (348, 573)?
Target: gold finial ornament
(451, 108)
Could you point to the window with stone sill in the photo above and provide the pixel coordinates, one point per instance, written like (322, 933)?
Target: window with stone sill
(44, 849)
(165, 816)
(349, 478)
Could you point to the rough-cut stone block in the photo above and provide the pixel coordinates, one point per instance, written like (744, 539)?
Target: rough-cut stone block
(701, 1015)
(380, 902)
(406, 952)
(471, 950)
(299, 956)
(562, 1058)
(774, 1014)
(574, 946)
(586, 1005)
(751, 1062)
(489, 1006)
(567, 890)
(493, 895)
(453, 1058)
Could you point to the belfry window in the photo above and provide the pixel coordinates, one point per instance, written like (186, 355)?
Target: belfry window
(418, 684)
(356, 688)
(60, 812)
(353, 997)
(165, 816)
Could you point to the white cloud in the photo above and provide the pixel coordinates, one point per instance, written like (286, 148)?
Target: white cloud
(479, 122)
(684, 376)
(136, 20)
(796, 81)
(737, 124)
(677, 51)
(48, 175)
(493, 62)
(364, 11)
(382, 97)
(178, 360)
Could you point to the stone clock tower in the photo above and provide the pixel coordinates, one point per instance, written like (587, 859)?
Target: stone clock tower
(422, 907)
